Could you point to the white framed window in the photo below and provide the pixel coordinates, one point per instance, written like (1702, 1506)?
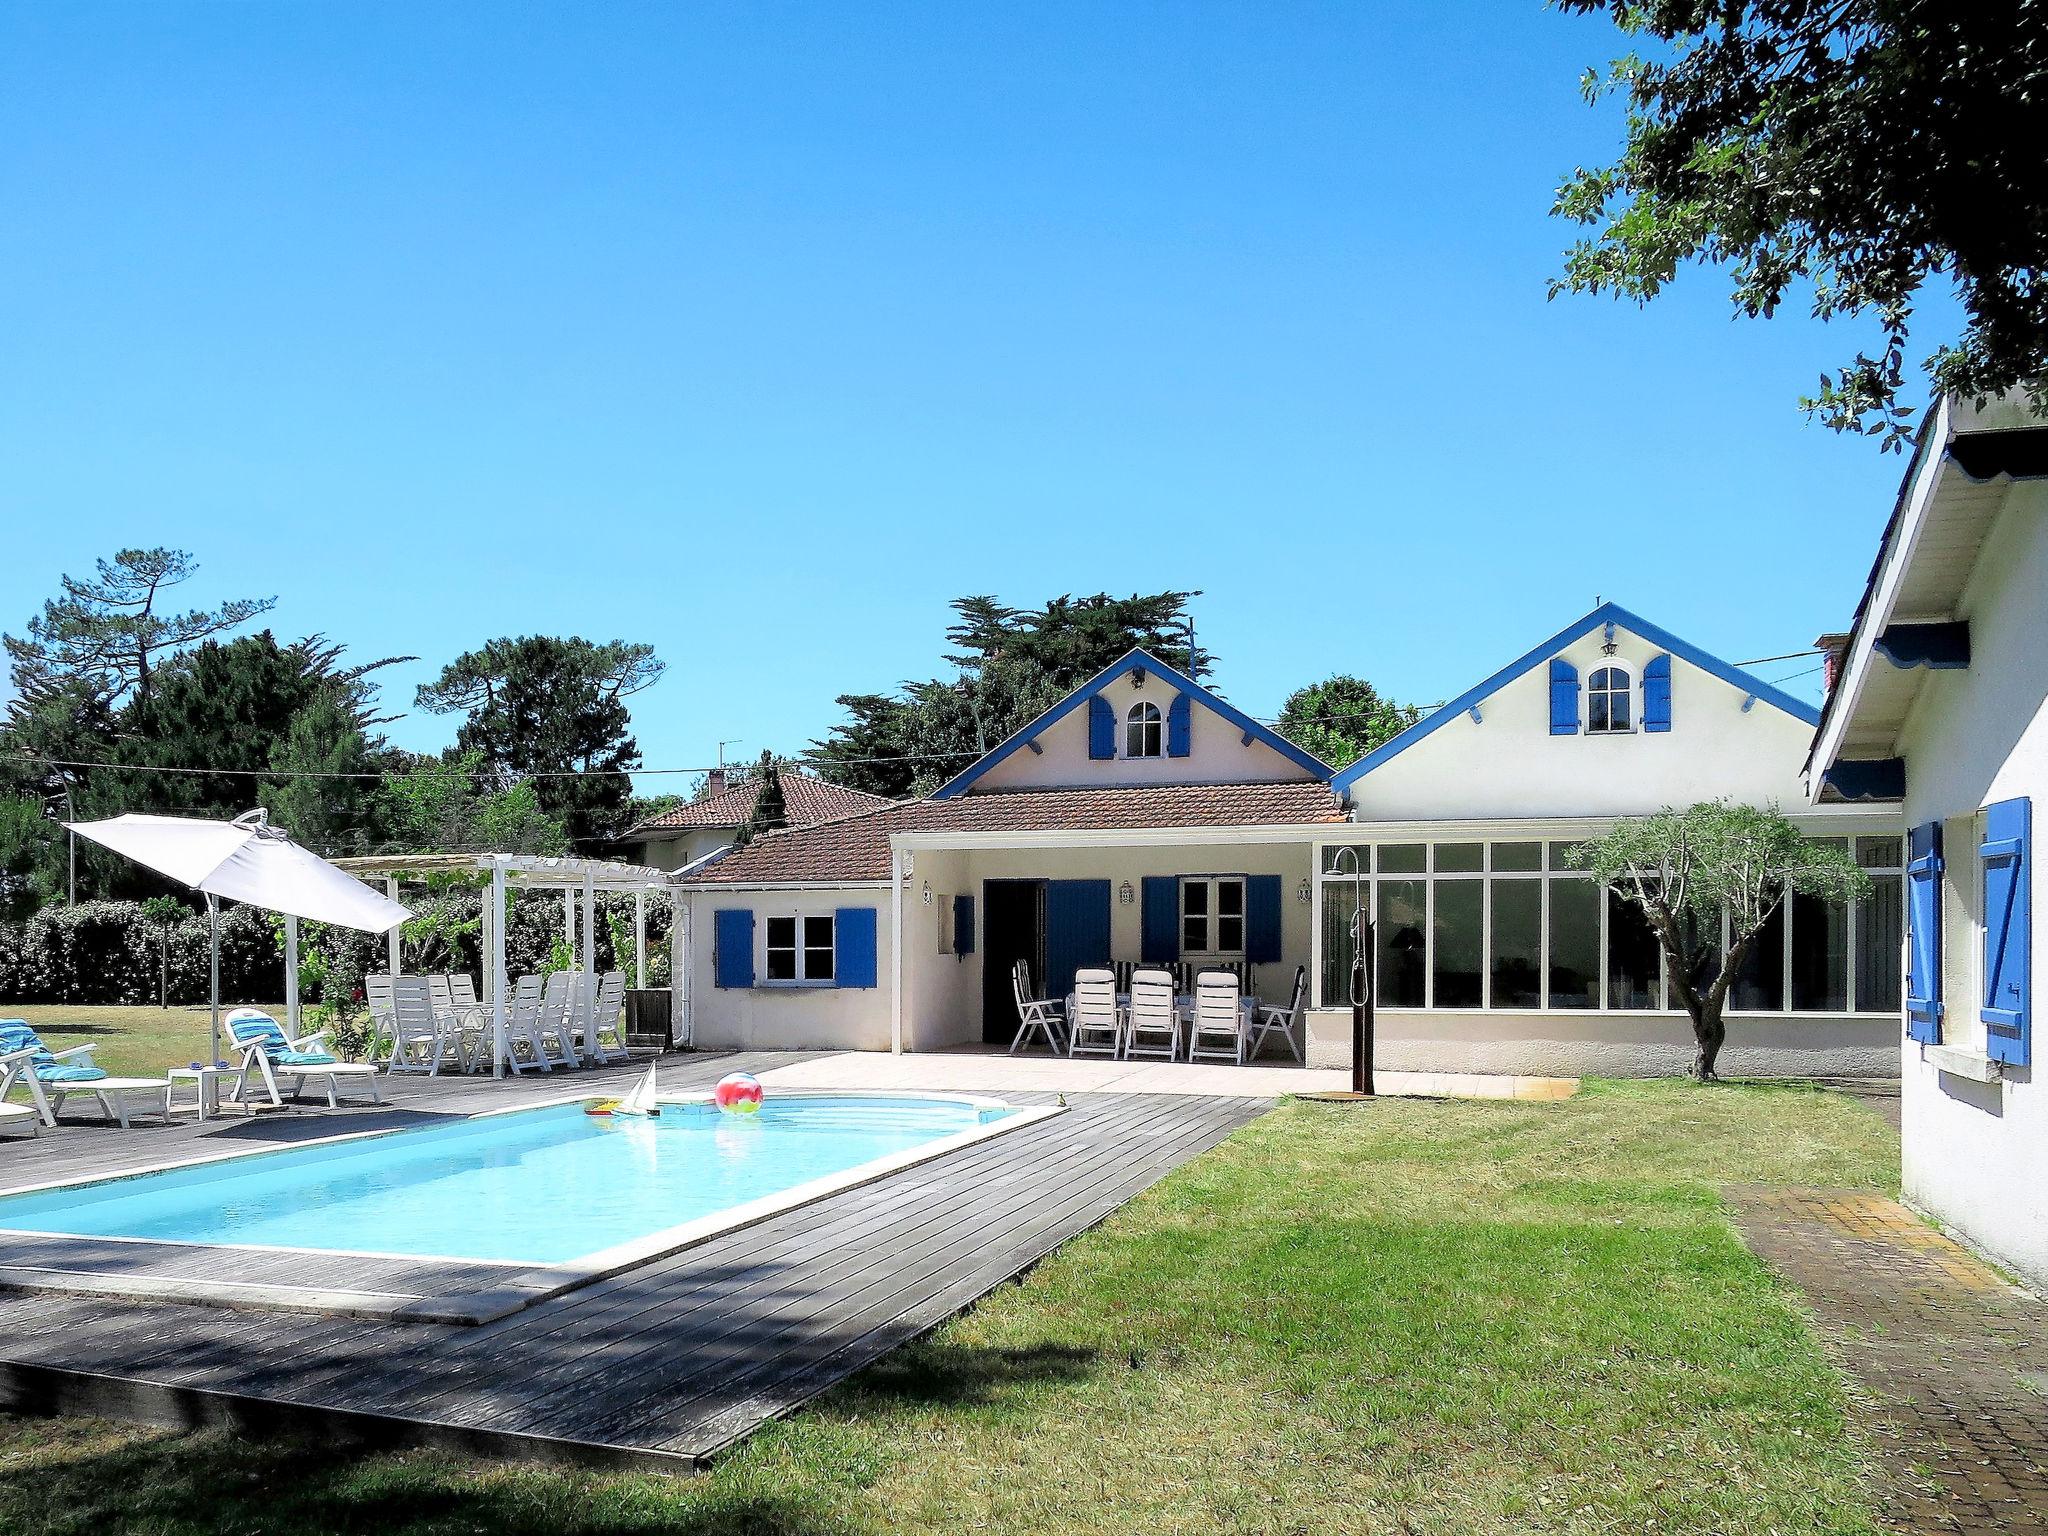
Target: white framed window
(1143, 731)
(1522, 928)
(1610, 701)
(799, 949)
(1212, 917)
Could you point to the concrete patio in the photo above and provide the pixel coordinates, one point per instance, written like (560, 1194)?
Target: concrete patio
(977, 1070)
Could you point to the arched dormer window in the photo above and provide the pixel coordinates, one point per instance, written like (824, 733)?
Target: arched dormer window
(1142, 731)
(1610, 693)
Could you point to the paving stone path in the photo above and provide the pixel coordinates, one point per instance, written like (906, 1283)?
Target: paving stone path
(1953, 1358)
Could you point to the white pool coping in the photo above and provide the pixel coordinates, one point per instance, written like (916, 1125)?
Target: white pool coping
(525, 1282)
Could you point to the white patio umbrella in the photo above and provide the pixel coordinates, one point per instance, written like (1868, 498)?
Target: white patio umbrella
(247, 860)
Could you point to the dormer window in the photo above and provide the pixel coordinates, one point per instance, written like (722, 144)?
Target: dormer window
(1143, 731)
(1608, 694)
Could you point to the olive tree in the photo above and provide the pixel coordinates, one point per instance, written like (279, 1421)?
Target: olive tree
(1685, 869)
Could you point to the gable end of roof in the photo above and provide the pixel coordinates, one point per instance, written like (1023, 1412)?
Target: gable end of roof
(1606, 613)
(1132, 661)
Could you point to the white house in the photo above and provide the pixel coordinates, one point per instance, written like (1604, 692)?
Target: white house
(710, 824)
(1146, 819)
(1939, 694)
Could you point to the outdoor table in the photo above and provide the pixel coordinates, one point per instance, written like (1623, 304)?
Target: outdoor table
(207, 1081)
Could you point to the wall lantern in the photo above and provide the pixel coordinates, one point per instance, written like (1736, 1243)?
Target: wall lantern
(927, 893)
(1301, 891)
(1125, 894)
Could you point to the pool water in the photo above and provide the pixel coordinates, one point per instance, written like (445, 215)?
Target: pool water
(536, 1186)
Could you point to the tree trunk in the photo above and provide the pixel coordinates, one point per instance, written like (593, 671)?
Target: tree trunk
(1709, 1032)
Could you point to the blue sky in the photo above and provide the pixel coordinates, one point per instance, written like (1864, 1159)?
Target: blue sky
(758, 332)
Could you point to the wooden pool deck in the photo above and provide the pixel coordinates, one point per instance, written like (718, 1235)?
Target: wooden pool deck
(660, 1367)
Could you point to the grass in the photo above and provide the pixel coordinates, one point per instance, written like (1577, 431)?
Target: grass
(128, 1042)
(1457, 1318)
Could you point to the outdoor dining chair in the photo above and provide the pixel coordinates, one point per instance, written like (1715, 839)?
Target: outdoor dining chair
(1285, 1022)
(1219, 1030)
(603, 1037)
(1152, 1025)
(422, 1039)
(522, 1029)
(1095, 1025)
(558, 1016)
(1044, 1015)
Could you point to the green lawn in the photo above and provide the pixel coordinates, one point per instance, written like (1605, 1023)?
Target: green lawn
(127, 1041)
(1468, 1319)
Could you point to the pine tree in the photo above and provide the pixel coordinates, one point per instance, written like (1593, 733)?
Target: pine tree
(771, 808)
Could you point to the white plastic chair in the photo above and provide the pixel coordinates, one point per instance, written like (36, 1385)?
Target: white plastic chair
(1286, 1022)
(472, 1018)
(522, 1028)
(1219, 1029)
(1045, 1015)
(419, 1042)
(383, 1025)
(1152, 1026)
(558, 1011)
(607, 1037)
(1095, 1023)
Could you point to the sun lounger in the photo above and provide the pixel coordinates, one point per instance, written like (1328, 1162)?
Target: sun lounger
(268, 1055)
(53, 1076)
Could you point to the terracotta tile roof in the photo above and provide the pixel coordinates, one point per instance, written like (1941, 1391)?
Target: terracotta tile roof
(857, 847)
(809, 800)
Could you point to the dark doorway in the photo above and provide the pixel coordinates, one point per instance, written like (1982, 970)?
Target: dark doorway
(1014, 918)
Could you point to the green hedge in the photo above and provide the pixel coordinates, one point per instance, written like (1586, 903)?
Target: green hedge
(106, 952)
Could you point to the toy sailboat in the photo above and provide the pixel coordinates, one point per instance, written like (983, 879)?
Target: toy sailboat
(642, 1100)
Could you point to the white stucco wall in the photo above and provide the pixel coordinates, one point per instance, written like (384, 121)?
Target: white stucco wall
(1217, 751)
(1974, 1153)
(675, 852)
(1507, 764)
(943, 1002)
(1591, 1043)
(942, 992)
(786, 1017)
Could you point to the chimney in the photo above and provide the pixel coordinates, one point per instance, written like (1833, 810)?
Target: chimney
(1834, 650)
(714, 783)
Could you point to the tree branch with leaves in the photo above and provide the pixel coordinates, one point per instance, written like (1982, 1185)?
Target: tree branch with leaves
(1847, 152)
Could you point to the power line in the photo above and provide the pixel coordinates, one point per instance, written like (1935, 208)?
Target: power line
(1788, 656)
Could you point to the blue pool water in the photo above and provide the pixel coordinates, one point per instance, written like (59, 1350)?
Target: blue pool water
(535, 1186)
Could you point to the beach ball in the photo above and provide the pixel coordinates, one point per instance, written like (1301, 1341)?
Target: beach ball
(739, 1094)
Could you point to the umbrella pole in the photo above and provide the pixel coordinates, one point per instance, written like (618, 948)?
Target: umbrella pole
(498, 914)
(213, 964)
(291, 974)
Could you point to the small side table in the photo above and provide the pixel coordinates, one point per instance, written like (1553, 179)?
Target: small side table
(206, 1083)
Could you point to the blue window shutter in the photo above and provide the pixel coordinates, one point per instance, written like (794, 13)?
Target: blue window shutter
(1101, 728)
(1657, 694)
(853, 939)
(1180, 726)
(1076, 930)
(963, 925)
(1159, 937)
(2008, 930)
(1564, 699)
(1262, 919)
(1923, 933)
(732, 930)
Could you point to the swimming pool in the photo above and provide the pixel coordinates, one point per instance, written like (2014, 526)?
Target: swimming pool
(540, 1186)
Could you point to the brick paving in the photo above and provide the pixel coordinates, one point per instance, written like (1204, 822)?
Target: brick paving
(1952, 1358)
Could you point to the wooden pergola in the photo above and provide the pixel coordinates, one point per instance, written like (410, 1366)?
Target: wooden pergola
(573, 878)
